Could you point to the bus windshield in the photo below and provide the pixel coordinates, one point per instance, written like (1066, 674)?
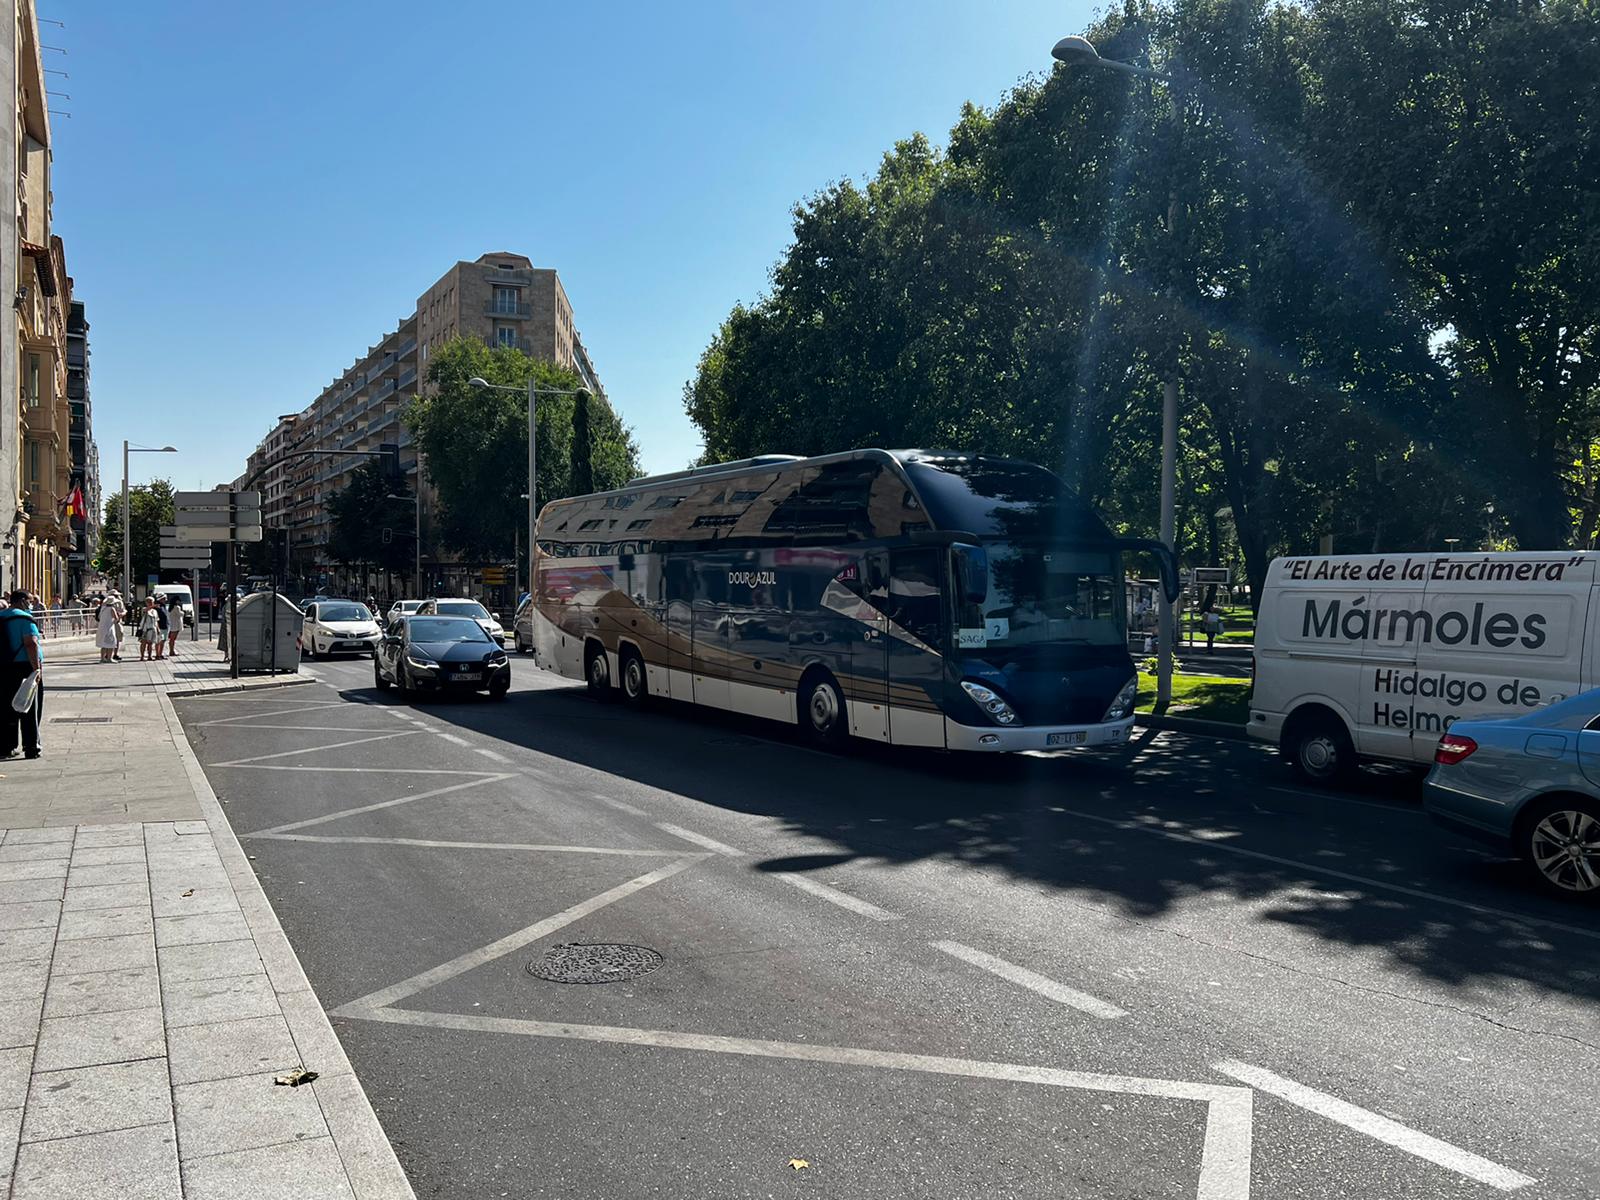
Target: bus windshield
(1040, 595)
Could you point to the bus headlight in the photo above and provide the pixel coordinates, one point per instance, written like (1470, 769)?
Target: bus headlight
(1122, 707)
(990, 701)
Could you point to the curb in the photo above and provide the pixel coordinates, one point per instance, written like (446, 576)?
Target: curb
(373, 1170)
(1216, 729)
(180, 692)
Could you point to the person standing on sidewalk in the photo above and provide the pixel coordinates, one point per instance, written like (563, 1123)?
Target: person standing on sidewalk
(19, 656)
(108, 628)
(163, 623)
(148, 629)
(174, 625)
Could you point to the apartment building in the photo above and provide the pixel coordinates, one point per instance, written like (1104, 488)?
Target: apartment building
(500, 298)
(35, 417)
(84, 456)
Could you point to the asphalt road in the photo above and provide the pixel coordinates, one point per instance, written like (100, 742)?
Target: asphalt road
(1171, 974)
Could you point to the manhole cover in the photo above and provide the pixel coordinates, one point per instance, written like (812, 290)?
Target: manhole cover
(80, 720)
(600, 962)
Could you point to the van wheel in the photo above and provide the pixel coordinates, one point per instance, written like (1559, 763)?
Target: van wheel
(1321, 751)
(822, 712)
(1559, 840)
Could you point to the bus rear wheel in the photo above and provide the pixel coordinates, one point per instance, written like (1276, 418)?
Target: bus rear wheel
(635, 681)
(822, 712)
(597, 673)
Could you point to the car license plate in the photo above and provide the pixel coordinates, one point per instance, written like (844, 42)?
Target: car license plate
(1076, 738)
(464, 675)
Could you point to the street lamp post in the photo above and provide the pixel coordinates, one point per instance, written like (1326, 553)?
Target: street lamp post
(417, 544)
(127, 538)
(1080, 51)
(478, 381)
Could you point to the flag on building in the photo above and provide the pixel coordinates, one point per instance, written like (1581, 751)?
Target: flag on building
(75, 506)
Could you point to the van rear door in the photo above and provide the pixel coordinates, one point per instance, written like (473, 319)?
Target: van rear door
(1384, 717)
(1505, 636)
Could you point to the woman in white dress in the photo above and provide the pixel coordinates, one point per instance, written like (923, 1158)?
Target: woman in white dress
(174, 625)
(149, 628)
(108, 628)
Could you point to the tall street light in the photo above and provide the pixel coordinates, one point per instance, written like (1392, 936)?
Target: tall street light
(127, 535)
(416, 501)
(1080, 51)
(534, 391)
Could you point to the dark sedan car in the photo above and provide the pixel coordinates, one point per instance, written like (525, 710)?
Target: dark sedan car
(441, 654)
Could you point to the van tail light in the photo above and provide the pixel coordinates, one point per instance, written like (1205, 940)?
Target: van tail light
(1453, 748)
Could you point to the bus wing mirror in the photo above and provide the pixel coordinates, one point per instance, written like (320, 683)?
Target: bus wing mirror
(1166, 563)
(625, 561)
(972, 572)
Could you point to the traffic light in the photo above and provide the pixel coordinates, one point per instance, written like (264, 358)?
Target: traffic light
(389, 461)
(387, 536)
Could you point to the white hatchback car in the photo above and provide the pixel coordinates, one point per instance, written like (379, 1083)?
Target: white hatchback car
(465, 608)
(339, 627)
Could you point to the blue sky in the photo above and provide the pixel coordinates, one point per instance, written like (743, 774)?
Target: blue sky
(251, 194)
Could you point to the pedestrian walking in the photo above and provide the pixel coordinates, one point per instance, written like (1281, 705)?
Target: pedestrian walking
(148, 629)
(75, 614)
(19, 656)
(1211, 625)
(107, 628)
(174, 625)
(163, 623)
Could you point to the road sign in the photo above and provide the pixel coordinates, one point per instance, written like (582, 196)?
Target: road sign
(217, 500)
(494, 575)
(219, 533)
(181, 563)
(1209, 575)
(240, 516)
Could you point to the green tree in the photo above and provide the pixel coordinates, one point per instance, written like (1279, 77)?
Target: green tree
(150, 506)
(474, 443)
(362, 513)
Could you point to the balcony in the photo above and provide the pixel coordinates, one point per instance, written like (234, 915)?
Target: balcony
(409, 346)
(515, 343)
(38, 418)
(500, 308)
(408, 376)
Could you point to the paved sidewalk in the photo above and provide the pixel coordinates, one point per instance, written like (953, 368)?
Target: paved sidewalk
(151, 996)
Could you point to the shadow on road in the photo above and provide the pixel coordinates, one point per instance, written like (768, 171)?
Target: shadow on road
(1169, 822)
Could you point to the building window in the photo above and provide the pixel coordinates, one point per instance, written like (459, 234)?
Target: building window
(33, 381)
(505, 300)
(505, 335)
(33, 464)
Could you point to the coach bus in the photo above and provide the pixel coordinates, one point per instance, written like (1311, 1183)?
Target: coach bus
(920, 598)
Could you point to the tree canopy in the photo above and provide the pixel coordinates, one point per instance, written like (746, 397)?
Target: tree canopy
(474, 443)
(1363, 231)
(368, 526)
(150, 506)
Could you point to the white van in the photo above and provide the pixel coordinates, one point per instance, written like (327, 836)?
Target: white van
(1373, 656)
(164, 592)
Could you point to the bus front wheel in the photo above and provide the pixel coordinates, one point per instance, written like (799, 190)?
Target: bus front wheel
(822, 711)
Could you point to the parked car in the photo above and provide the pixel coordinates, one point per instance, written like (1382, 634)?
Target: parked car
(1374, 656)
(441, 654)
(1530, 785)
(464, 608)
(522, 627)
(401, 608)
(339, 627)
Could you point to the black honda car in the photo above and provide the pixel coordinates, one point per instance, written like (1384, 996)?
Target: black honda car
(440, 654)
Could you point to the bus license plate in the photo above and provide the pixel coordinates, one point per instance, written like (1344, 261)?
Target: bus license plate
(1076, 738)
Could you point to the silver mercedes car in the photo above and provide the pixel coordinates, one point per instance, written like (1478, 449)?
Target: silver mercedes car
(1529, 784)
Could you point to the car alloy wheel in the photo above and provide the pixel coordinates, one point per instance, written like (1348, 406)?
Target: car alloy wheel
(1564, 848)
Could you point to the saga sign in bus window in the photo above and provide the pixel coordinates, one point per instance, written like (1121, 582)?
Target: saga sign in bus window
(1057, 596)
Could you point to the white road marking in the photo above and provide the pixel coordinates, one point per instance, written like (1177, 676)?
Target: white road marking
(1318, 869)
(451, 738)
(257, 716)
(251, 766)
(622, 806)
(835, 896)
(494, 754)
(380, 737)
(1443, 1154)
(306, 728)
(699, 839)
(511, 942)
(402, 841)
(366, 808)
(1225, 1152)
(1059, 992)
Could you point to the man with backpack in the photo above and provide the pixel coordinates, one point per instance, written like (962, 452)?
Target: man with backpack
(19, 658)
